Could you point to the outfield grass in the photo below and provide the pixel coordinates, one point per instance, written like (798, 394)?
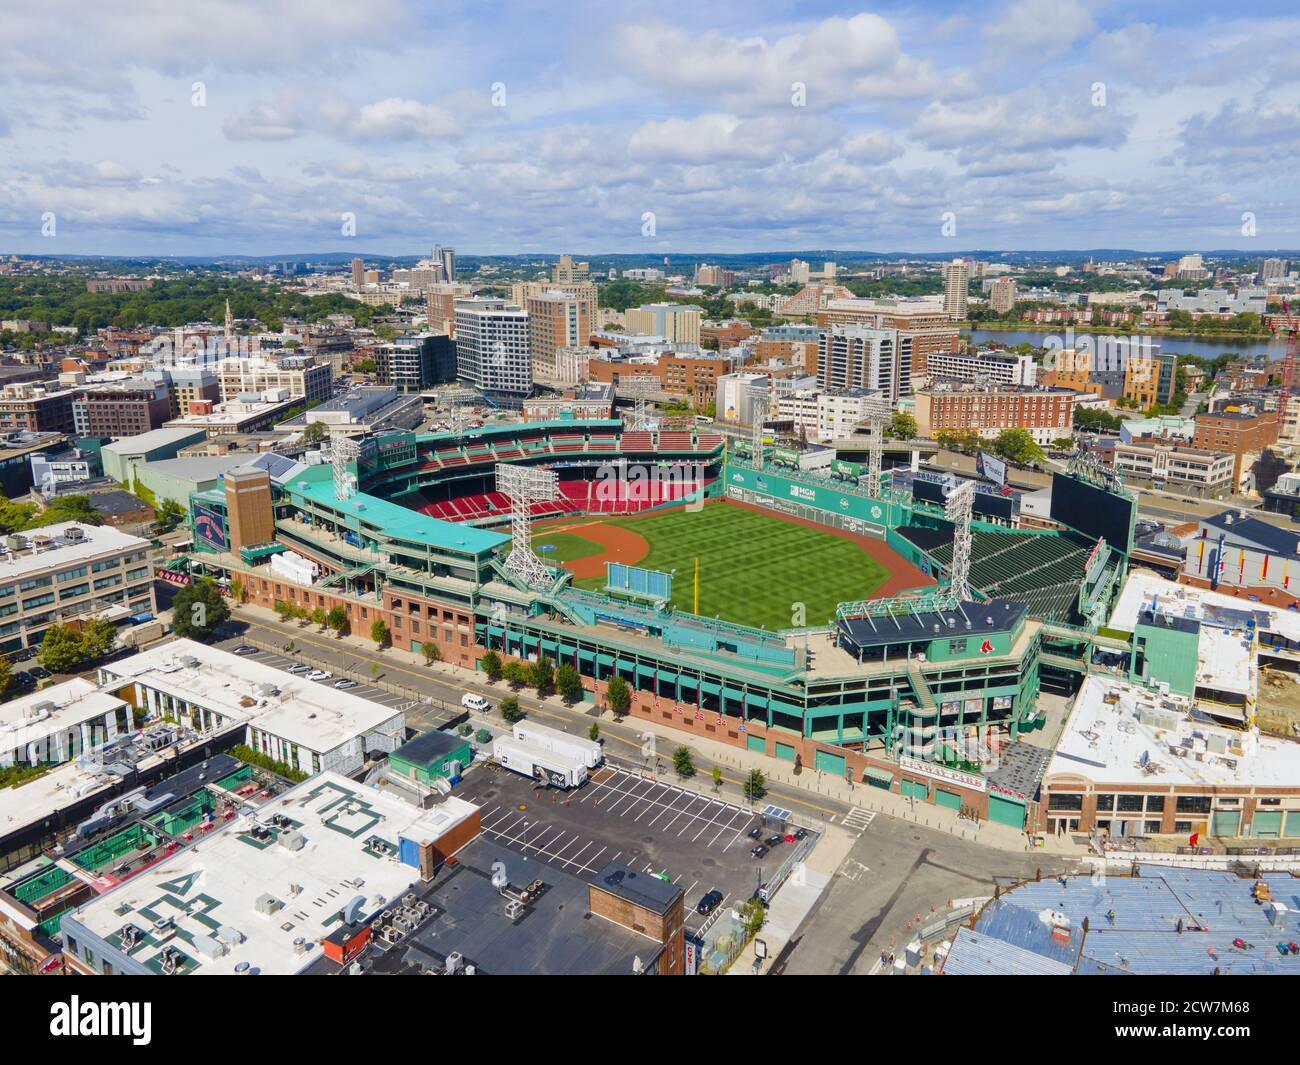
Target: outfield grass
(753, 567)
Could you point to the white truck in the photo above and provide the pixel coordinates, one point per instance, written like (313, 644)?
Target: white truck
(555, 768)
(589, 752)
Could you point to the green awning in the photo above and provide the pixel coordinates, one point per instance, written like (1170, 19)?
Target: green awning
(884, 776)
(667, 677)
(494, 631)
(732, 693)
(644, 670)
(710, 688)
(583, 653)
(757, 700)
(605, 660)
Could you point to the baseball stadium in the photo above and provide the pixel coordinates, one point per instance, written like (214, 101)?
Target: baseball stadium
(853, 627)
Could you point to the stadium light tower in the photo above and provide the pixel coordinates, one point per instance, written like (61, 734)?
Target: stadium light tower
(957, 509)
(344, 452)
(759, 416)
(524, 486)
(879, 413)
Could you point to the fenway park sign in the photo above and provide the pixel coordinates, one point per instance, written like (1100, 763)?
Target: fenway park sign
(943, 773)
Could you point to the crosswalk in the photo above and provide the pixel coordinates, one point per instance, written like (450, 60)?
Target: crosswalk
(858, 820)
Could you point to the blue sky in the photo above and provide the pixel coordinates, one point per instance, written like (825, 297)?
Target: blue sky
(1026, 123)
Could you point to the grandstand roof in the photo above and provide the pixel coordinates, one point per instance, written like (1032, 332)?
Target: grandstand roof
(317, 484)
(967, 619)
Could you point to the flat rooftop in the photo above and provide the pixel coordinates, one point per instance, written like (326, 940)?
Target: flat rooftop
(50, 547)
(235, 898)
(1213, 608)
(1140, 737)
(74, 702)
(301, 711)
(557, 935)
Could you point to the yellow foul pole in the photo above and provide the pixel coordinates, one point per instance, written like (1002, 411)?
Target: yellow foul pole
(696, 608)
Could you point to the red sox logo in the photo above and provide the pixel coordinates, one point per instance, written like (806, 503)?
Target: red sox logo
(986, 648)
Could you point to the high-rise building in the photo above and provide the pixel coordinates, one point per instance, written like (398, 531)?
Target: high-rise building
(1002, 295)
(555, 320)
(447, 257)
(492, 353)
(414, 363)
(860, 356)
(358, 275)
(1272, 270)
(567, 272)
(923, 327)
(956, 288)
(440, 299)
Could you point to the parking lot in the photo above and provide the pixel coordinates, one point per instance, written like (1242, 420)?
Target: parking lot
(279, 661)
(697, 841)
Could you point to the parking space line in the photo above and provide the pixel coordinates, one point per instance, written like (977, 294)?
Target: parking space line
(652, 803)
(670, 807)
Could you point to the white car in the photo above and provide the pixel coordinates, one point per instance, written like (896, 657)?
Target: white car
(470, 701)
(319, 674)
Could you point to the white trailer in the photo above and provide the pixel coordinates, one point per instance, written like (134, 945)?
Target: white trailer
(589, 752)
(550, 767)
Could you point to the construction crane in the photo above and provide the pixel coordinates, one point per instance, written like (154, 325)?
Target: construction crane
(1291, 327)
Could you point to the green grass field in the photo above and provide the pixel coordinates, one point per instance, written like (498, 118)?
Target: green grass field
(753, 567)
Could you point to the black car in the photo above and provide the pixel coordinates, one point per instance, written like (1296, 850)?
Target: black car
(772, 841)
(39, 672)
(758, 851)
(800, 833)
(22, 679)
(756, 832)
(709, 902)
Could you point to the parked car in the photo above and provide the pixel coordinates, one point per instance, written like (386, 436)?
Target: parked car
(245, 649)
(758, 851)
(470, 701)
(39, 672)
(709, 902)
(343, 683)
(756, 832)
(299, 667)
(796, 835)
(772, 841)
(319, 674)
(21, 679)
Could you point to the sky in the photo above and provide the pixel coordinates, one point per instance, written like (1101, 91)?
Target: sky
(147, 127)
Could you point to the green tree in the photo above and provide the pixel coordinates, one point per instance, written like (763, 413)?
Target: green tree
(618, 696)
(432, 653)
(169, 515)
(491, 663)
(902, 427)
(542, 676)
(6, 670)
(319, 617)
(517, 674)
(315, 433)
(483, 736)
(379, 632)
(717, 777)
(683, 763)
(568, 683)
(62, 650)
(100, 637)
(755, 785)
(198, 609)
(593, 733)
(509, 707)
(337, 620)
(1016, 445)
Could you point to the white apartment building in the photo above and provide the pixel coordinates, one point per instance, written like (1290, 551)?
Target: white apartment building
(492, 348)
(860, 356)
(999, 368)
(956, 288)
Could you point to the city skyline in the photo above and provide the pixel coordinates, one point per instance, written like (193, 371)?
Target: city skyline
(667, 131)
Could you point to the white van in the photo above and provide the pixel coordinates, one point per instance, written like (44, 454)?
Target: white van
(470, 701)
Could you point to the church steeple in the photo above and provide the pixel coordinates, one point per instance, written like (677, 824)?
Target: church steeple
(230, 323)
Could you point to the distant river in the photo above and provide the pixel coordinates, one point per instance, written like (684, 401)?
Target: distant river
(1205, 347)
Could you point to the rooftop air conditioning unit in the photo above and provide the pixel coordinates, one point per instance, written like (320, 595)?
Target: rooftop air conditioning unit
(455, 962)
